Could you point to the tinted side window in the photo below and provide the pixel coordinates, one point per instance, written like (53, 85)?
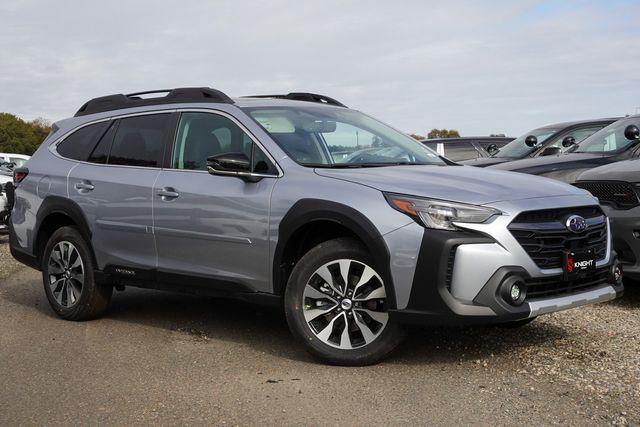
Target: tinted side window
(458, 151)
(202, 135)
(79, 144)
(139, 141)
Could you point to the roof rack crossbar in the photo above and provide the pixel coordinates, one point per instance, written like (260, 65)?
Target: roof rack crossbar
(173, 96)
(303, 96)
(149, 92)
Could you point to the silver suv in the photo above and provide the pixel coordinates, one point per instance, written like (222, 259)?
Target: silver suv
(354, 228)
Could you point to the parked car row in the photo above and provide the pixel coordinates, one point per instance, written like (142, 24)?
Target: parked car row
(607, 164)
(353, 228)
(548, 140)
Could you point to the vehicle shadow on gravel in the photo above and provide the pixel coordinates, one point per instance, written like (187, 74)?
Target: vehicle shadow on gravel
(265, 329)
(631, 297)
(202, 319)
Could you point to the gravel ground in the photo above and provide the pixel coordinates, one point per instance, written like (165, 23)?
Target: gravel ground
(7, 263)
(164, 358)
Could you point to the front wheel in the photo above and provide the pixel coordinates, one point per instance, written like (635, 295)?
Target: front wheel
(336, 304)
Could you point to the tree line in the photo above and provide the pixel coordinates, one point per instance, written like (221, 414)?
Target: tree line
(438, 133)
(22, 137)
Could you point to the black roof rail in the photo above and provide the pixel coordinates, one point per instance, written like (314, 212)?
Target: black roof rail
(303, 96)
(173, 96)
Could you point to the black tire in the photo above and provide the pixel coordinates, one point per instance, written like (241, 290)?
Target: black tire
(343, 248)
(94, 298)
(517, 323)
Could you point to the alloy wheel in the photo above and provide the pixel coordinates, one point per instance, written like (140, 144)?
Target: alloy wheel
(66, 274)
(344, 304)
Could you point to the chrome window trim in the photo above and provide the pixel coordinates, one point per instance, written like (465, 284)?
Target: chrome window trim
(53, 145)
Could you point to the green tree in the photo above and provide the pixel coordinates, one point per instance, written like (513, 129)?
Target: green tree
(443, 133)
(22, 137)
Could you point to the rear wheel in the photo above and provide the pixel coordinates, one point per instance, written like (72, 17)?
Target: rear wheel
(69, 282)
(336, 304)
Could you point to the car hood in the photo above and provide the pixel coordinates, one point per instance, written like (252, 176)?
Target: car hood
(546, 163)
(486, 161)
(628, 170)
(463, 184)
(565, 167)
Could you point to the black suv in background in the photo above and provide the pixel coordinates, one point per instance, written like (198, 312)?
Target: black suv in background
(614, 143)
(617, 186)
(545, 141)
(467, 148)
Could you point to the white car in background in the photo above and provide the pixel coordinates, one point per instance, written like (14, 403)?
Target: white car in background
(18, 159)
(7, 162)
(3, 214)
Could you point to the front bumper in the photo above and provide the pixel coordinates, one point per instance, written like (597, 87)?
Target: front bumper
(461, 276)
(625, 229)
(450, 260)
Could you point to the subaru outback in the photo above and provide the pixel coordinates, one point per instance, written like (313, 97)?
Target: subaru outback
(260, 198)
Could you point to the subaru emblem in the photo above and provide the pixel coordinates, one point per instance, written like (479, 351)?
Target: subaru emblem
(576, 224)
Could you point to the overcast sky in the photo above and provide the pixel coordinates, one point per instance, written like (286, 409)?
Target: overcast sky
(480, 67)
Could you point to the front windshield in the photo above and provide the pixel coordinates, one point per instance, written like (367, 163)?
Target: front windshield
(517, 148)
(609, 139)
(338, 137)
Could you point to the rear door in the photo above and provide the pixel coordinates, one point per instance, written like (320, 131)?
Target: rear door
(114, 189)
(208, 226)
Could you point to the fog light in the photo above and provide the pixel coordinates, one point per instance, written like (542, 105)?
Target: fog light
(515, 292)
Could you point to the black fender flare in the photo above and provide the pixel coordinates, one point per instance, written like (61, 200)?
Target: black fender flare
(60, 205)
(306, 211)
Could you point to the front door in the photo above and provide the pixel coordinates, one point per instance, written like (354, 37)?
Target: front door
(213, 228)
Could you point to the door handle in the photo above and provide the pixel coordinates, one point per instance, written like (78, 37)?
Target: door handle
(168, 193)
(84, 186)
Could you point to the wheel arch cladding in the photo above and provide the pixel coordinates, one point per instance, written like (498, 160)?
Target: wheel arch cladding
(309, 216)
(56, 212)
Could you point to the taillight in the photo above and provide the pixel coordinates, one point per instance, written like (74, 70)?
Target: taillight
(19, 174)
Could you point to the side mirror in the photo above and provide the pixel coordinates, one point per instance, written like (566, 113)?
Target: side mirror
(233, 164)
(568, 141)
(551, 151)
(492, 149)
(531, 141)
(632, 132)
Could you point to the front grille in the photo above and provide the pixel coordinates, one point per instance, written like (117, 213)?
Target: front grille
(540, 288)
(618, 194)
(544, 236)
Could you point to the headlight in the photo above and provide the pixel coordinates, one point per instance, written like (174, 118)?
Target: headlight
(440, 214)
